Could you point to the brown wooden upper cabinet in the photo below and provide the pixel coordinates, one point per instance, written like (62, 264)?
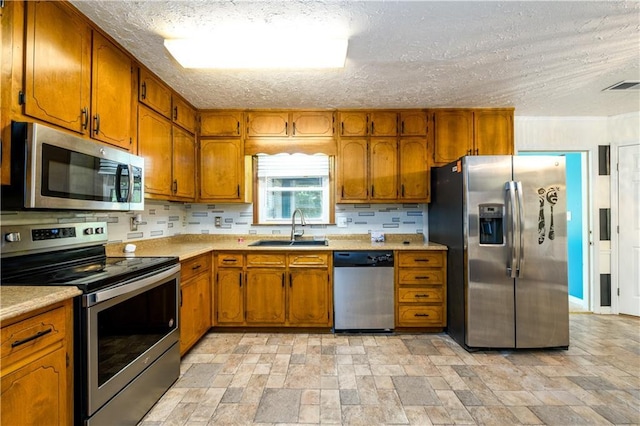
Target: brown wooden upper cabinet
(183, 115)
(94, 100)
(222, 170)
(459, 132)
(112, 91)
(289, 124)
(493, 131)
(57, 91)
(221, 123)
(354, 123)
(154, 93)
(383, 123)
(413, 123)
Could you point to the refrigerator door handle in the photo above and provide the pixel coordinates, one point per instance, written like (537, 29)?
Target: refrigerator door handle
(520, 237)
(510, 196)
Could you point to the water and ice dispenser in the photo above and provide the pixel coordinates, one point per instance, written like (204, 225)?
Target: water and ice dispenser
(491, 217)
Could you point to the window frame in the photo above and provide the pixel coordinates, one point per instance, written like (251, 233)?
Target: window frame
(257, 196)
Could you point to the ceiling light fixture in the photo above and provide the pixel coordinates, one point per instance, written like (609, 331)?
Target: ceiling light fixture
(259, 52)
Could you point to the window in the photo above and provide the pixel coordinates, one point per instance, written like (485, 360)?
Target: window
(293, 181)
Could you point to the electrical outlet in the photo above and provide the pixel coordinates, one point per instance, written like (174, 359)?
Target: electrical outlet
(218, 221)
(341, 221)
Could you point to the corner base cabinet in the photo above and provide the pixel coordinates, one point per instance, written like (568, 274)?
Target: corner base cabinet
(421, 289)
(37, 367)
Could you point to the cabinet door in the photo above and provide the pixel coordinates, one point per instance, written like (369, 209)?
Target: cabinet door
(221, 170)
(36, 394)
(154, 144)
(413, 123)
(195, 310)
(183, 115)
(309, 302)
(229, 296)
(184, 164)
(413, 169)
(154, 94)
(352, 170)
(222, 123)
(57, 66)
(383, 169)
(384, 123)
(354, 123)
(111, 94)
(267, 124)
(453, 131)
(312, 123)
(265, 296)
(493, 131)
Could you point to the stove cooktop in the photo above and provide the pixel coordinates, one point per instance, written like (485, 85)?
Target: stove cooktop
(93, 274)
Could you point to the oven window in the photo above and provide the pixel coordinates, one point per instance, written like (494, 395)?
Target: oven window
(128, 329)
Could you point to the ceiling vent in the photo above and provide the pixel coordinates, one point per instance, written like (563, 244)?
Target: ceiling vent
(625, 85)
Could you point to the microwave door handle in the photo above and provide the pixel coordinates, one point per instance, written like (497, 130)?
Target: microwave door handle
(520, 237)
(119, 170)
(131, 182)
(510, 200)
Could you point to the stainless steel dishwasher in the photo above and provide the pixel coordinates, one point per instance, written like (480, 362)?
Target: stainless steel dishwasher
(363, 291)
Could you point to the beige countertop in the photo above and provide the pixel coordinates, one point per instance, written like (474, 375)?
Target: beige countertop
(18, 300)
(187, 246)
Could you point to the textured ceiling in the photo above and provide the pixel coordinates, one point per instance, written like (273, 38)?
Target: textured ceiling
(543, 58)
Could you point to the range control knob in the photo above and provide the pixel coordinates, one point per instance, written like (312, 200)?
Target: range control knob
(100, 230)
(12, 237)
(88, 231)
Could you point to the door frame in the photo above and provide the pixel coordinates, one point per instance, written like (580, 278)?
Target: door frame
(588, 287)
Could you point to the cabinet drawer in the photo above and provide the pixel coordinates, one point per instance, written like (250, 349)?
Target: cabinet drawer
(32, 334)
(420, 276)
(420, 259)
(309, 259)
(194, 266)
(266, 259)
(420, 315)
(420, 294)
(230, 259)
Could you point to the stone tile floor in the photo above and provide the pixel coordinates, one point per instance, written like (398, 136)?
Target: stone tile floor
(421, 379)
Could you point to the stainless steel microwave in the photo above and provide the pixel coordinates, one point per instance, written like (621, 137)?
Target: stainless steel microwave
(52, 169)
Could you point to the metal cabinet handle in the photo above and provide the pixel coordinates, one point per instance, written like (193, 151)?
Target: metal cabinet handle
(96, 127)
(85, 118)
(30, 338)
(372, 127)
(196, 267)
(421, 260)
(286, 129)
(175, 113)
(238, 128)
(175, 186)
(422, 277)
(421, 315)
(240, 279)
(342, 128)
(294, 128)
(421, 295)
(143, 95)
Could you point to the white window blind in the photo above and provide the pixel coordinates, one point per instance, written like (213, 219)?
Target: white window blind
(293, 165)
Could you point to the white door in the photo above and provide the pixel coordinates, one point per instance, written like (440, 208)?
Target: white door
(629, 236)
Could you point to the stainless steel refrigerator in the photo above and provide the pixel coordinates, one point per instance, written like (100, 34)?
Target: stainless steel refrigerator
(504, 221)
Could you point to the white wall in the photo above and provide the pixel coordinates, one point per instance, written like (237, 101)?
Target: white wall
(585, 134)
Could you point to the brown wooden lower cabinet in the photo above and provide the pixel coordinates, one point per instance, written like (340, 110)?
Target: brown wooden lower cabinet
(195, 300)
(421, 289)
(273, 289)
(37, 375)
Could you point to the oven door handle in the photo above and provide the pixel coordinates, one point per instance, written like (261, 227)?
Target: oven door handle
(133, 286)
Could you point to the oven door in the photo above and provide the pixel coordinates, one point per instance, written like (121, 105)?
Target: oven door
(127, 327)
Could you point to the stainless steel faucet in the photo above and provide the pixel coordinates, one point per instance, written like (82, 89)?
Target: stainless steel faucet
(295, 233)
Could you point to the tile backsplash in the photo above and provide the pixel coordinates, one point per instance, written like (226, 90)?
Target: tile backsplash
(165, 219)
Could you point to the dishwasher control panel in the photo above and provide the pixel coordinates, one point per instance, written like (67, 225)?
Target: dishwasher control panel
(351, 259)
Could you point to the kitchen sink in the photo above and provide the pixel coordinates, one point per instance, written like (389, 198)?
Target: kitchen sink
(276, 243)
